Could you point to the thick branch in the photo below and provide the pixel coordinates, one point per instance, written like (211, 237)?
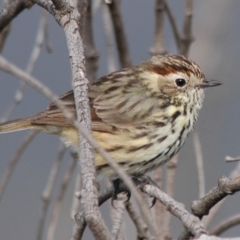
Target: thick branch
(225, 187)
(8, 13)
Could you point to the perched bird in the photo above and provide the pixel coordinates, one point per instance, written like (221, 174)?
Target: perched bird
(141, 115)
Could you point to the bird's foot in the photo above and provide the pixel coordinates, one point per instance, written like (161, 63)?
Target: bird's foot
(139, 180)
(118, 187)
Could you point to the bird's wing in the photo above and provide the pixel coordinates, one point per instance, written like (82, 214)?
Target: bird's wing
(114, 101)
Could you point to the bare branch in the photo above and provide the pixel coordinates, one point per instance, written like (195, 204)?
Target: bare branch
(199, 160)
(206, 237)
(142, 229)
(77, 190)
(58, 204)
(158, 207)
(108, 27)
(225, 187)
(91, 53)
(190, 222)
(173, 25)
(9, 12)
(224, 226)
(8, 173)
(187, 38)
(232, 159)
(81, 225)
(59, 4)
(117, 216)
(158, 47)
(40, 36)
(170, 181)
(120, 36)
(46, 195)
(3, 36)
(234, 174)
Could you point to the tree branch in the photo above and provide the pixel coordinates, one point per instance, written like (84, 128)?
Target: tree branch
(224, 226)
(8, 173)
(199, 160)
(9, 12)
(91, 53)
(190, 222)
(46, 195)
(225, 187)
(40, 36)
(187, 37)
(158, 47)
(142, 229)
(120, 36)
(173, 25)
(58, 203)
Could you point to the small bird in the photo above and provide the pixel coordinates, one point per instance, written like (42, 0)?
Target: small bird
(141, 115)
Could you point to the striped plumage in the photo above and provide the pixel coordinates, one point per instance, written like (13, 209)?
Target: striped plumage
(140, 115)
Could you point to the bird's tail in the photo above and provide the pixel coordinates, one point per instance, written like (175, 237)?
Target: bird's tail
(16, 125)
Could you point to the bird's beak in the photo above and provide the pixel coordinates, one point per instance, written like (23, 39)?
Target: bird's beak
(209, 83)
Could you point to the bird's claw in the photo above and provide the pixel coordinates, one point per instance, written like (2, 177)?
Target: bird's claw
(139, 180)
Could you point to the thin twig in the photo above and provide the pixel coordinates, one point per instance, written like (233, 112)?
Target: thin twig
(30, 66)
(91, 53)
(158, 207)
(158, 47)
(47, 192)
(232, 159)
(109, 36)
(187, 37)
(199, 161)
(173, 25)
(170, 186)
(120, 35)
(59, 201)
(142, 229)
(12, 164)
(225, 225)
(76, 202)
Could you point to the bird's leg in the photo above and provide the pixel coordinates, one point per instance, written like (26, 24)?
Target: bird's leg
(139, 181)
(118, 187)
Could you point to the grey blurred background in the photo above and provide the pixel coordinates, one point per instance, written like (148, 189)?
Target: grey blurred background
(216, 49)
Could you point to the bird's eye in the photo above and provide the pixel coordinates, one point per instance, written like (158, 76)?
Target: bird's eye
(180, 82)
